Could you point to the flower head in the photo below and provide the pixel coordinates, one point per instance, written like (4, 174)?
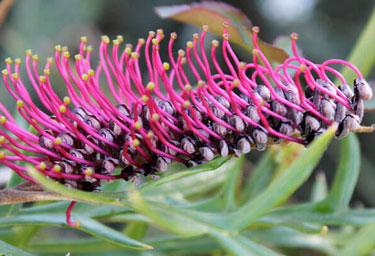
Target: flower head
(164, 117)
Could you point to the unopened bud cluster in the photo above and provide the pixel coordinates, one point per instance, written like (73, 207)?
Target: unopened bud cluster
(187, 109)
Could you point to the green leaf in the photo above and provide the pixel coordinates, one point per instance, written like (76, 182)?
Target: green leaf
(285, 155)
(346, 175)
(208, 166)
(229, 190)
(76, 195)
(286, 216)
(362, 243)
(194, 180)
(215, 14)
(363, 53)
(240, 245)
(9, 250)
(290, 238)
(172, 245)
(319, 189)
(136, 230)
(286, 184)
(169, 218)
(89, 226)
(260, 177)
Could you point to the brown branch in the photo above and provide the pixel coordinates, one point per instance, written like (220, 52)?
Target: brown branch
(4, 8)
(369, 109)
(28, 192)
(365, 129)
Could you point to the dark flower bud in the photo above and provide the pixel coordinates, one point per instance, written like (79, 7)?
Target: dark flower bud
(260, 139)
(219, 129)
(67, 166)
(202, 132)
(167, 107)
(316, 97)
(252, 113)
(364, 89)
(224, 149)
(346, 90)
(223, 101)
(115, 128)
(80, 112)
(92, 121)
(217, 112)
(327, 108)
(170, 150)
(358, 106)
(245, 98)
(67, 138)
(286, 129)
(109, 164)
(244, 145)
(326, 85)
(340, 113)
(206, 153)
(87, 147)
(188, 145)
(161, 164)
(45, 142)
(264, 92)
(198, 114)
(311, 124)
(146, 114)
(279, 92)
(351, 122)
(123, 109)
(70, 183)
(78, 153)
(292, 96)
(107, 134)
(191, 163)
(279, 108)
(237, 123)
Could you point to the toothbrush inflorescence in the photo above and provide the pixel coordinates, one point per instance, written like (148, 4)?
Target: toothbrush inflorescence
(188, 109)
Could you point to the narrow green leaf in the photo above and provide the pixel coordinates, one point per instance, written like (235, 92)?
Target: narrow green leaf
(76, 195)
(136, 230)
(346, 175)
(169, 218)
(290, 238)
(320, 188)
(281, 188)
(93, 211)
(229, 190)
(195, 180)
(285, 155)
(357, 218)
(363, 53)
(89, 226)
(208, 166)
(9, 250)
(240, 245)
(169, 244)
(362, 243)
(215, 14)
(260, 177)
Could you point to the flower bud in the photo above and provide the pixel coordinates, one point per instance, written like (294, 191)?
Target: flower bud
(363, 88)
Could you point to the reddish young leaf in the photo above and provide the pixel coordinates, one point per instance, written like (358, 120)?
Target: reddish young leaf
(214, 14)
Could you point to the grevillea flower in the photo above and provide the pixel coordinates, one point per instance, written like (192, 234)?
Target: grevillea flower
(162, 117)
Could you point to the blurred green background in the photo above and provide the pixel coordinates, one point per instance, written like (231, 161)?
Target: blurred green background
(327, 29)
